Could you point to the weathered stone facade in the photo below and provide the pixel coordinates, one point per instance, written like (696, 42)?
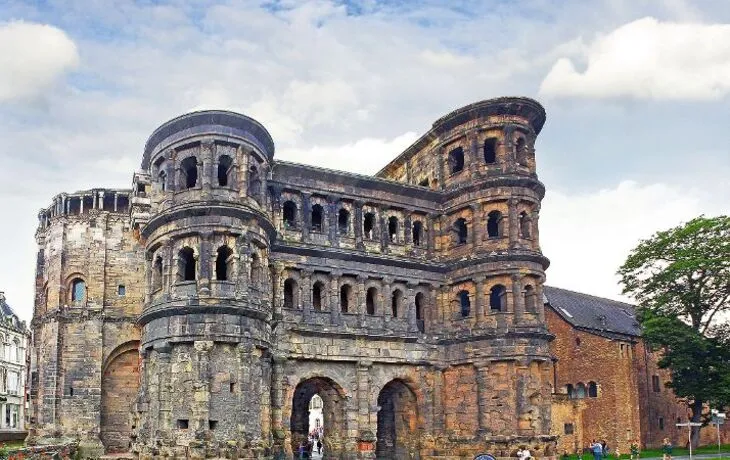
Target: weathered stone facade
(237, 287)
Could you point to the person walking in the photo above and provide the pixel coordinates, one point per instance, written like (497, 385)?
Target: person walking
(597, 449)
(319, 446)
(666, 449)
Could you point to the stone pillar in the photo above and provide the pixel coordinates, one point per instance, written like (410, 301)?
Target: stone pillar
(334, 302)
(205, 262)
(407, 229)
(385, 299)
(101, 200)
(242, 161)
(480, 307)
(482, 378)
(476, 225)
(366, 414)
(437, 408)
(168, 264)
(116, 196)
(305, 297)
(514, 223)
(332, 220)
(440, 175)
(536, 229)
(81, 204)
(277, 392)
(357, 224)
(278, 289)
(539, 304)
(430, 234)
(201, 389)
(410, 304)
(64, 204)
(245, 385)
(518, 301)
(164, 396)
(306, 216)
(473, 149)
(361, 279)
(383, 224)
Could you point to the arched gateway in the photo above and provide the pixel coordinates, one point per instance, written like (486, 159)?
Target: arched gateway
(334, 422)
(398, 433)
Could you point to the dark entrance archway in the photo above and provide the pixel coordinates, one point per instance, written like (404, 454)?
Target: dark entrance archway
(398, 433)
(334, 422)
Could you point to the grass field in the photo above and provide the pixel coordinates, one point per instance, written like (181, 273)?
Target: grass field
(653, 453)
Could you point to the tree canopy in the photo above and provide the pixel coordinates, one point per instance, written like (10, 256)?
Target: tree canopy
(680, 279)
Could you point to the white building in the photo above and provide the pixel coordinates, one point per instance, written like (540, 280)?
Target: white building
(14, 340)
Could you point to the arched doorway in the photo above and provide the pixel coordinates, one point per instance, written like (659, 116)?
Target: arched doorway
(398, 436)
(119, 385)
(322, 399)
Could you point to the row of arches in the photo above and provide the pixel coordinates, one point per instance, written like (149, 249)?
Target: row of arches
(456, 158)
(581, 390)
(497, 300)
(317, 223)
(189, 175)
(495, 227)
(393, 304)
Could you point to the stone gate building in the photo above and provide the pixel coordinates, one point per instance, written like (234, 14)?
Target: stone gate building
(200, 311)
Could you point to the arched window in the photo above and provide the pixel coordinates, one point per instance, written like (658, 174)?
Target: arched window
(419, 312)
(370, 299)
(162, 180)
(254, 274)
(456, 160)
(393, 229)
(368, 225)
(78, 290)
(224, 263)
(345, 294)
(224, 170)
(290, 214)
(521, 151)
(290, 288)
(497, 298)
(317, 289)
(464, 303)
(525, 226)
(494, 224)
(530, 299)
(461, 231)
(570, 391)
(317, 214)
(580, 391)
(157, 273)
(490, 150)
(189, 172)
(343, 221)
(254, 182)
(187, 270)
(396, 303)
(417, 232)
(592, 390)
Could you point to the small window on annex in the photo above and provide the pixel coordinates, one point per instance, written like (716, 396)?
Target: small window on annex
(345, 294)
(224, 263)
(490, 150)
(368, 225)
(419, 312)
(317, 218)
(530, 299)
(580, 391)
(494, 224)
(497, 298)
(592, 390)
(456, 160)
(525, 226)
(78, 290)
(343, 221)
(289, 212)
(157, 273)
(290, 287)
(396, 303)
(417, 232)
(568, 428)
(570, 391)
(464, 303)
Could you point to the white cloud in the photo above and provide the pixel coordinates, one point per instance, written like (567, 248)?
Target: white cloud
(649, 59)
(365, 156)
(32, 58)
(588, 236)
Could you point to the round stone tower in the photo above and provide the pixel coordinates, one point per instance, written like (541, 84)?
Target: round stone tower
(495, 269)
(199, 208)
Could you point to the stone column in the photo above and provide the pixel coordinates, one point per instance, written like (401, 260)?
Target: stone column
(365, 415)
(357, 224)
(482, 378)
(361, 279)
(204, 165)
(277, 392)
(473, 148)
(164, 416)
(480, 307)
(168, 263)
(278, 289)
(334, 303)
(440, 167)
(438, 417)
(476, 225)
(332, 220)
(201, 389)
(410, 304)
(514, 223)
(536, 229)
(244, 384)
(430, 234)
(205, 263)
(517, 298)
(305, 297)
(383, 224)
(116, 197)
(539, 304)
(407, 229)
(306, 216)
(385, 299)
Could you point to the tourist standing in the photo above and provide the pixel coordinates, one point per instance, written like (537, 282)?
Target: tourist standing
(666, 449)
(597, 449)
(634, 450)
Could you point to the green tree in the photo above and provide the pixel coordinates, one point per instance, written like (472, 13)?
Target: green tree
(680, 279)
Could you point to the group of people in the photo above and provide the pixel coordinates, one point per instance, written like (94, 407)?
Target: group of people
(524, 453)
(312, 444)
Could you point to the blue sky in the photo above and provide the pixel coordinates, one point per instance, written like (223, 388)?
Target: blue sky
(636, 93)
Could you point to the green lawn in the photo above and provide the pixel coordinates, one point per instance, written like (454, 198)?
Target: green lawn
(12, 444)
(651, 453)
